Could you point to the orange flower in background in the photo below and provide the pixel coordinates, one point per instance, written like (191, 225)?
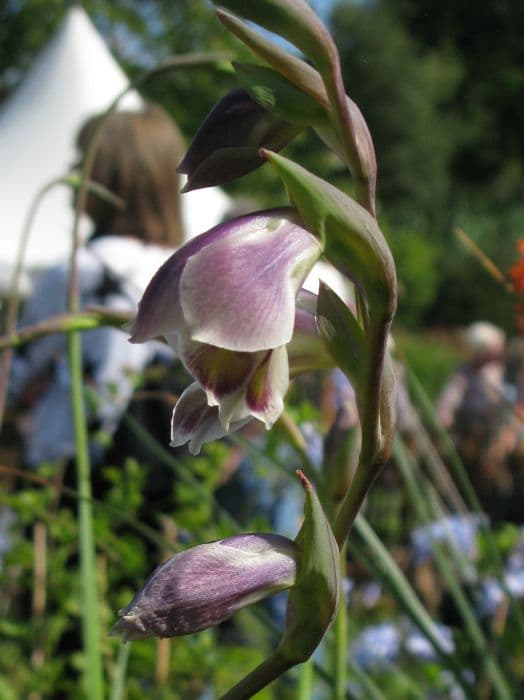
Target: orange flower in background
(516, 274)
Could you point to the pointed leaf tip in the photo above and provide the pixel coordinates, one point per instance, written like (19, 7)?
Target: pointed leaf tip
(306, 483)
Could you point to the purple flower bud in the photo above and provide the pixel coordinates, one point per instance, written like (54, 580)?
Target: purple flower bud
(226, 303)
(227, 144)
(205, 585)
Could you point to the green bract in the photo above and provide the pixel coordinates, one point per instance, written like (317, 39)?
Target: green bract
(313, 600)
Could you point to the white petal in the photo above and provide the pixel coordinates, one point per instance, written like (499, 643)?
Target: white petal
(195, 422)
(268, 386)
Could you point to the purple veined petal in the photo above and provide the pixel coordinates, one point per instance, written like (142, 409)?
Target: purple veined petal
(195, 422)
(268, 386)
(159, 311)
(222, 374)
(239, 291)
(205, 585)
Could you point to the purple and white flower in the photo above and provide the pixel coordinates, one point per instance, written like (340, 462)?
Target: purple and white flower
(226, 303)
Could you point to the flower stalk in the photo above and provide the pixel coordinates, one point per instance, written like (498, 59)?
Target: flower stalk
(242, 340)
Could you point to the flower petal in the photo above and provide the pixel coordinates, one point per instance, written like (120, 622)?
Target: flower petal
(160, 312)
(220, 372)
(268, 386)
(159, 309)
(239, 291)
(196, 422)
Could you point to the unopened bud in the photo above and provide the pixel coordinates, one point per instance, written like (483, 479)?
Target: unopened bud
(205, 585)
(227, 144)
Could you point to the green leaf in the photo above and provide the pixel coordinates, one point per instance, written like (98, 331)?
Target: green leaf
(343, 336)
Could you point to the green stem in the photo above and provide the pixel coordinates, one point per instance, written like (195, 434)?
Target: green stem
(374, 450)
(372, 691)
(305, 681)
(264, 674)
(348, 511)
(473, 629)
(65, 323)
(90, 626)
(341, 638)
(119, 681)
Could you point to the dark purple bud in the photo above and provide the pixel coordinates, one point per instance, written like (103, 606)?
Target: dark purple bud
(227, 144)
(205, 585)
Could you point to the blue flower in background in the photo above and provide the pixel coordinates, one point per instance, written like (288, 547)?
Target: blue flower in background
(460, 531)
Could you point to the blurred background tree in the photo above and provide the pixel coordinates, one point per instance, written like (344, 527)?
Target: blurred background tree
(441, 87)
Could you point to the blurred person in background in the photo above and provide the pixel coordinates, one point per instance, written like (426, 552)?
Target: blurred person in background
(515, 378)
(476, 406)
(136, 160)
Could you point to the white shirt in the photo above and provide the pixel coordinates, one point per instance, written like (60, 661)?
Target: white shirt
(109, 360)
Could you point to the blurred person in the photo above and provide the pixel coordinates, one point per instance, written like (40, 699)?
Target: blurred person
(476, 407)
(136, 160)
(515, 378)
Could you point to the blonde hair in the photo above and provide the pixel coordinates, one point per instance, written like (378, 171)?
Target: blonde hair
(136, 159)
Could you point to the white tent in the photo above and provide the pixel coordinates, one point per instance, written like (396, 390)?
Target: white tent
(74, 77)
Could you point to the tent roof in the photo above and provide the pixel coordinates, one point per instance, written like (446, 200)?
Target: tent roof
(74, 77)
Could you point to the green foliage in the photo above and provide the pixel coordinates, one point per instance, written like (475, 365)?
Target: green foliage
(401, 92)
(440, 106)
(489, 47)
(432, 357)
(416, 259)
